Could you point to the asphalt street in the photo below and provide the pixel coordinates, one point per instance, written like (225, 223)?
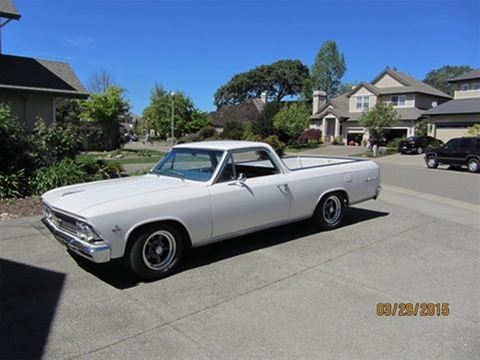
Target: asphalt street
(289, 292)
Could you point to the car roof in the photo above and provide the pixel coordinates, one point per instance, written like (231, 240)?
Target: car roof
(221, 145)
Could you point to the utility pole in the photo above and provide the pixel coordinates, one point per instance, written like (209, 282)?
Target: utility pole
(173, 118)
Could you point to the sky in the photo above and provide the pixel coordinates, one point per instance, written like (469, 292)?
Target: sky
(197, 46)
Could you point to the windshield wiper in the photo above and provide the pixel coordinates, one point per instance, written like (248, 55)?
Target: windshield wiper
(177, 173)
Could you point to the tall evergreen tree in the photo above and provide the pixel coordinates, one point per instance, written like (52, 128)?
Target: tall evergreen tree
(327, 71)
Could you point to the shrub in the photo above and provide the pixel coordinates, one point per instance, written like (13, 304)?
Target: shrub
(206, 132)
(474, 130)
(263, 126)
(66, 172)
(16, 151)
(292, 120)
(12, 185)
(233, 130)
(56, 142)
(253, 137)
(276, 144)
(434, 144)
(188, 139)
(338, 141)
(100, 169)
(394, 143)
(310, 134)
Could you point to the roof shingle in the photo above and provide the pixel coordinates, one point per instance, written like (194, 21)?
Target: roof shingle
(29, 74)
(457, 106)
(471, 75)
(8, 10)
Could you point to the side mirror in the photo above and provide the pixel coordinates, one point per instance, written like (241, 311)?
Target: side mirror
(241, 177)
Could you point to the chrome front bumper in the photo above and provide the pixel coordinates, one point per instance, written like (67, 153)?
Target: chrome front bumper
(98, 253)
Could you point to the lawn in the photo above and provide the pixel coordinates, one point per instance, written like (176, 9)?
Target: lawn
(124, 157)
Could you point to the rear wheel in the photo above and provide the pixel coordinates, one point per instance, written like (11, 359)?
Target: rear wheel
(473, 165)
(329, 212)
(156, 252)
(419, 150)
(432, 162)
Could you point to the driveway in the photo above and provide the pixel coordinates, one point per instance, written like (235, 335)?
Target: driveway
(289, 292)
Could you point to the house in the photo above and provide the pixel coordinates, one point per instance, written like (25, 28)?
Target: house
(31, 87)
(340, 116)
(452, 118)
(245, 112)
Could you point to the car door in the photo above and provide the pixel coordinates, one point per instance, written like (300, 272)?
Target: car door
(448, 154)
(467, 146)
(250, 192)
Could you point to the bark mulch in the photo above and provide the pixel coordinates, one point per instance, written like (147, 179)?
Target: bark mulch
(14, 208)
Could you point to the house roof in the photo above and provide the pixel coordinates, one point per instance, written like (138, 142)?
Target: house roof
(247, 111)
(369, 86)
(405, 114)
(338, 106)
(471, 75)
(457, 106)
(8, 10)
(35, 75)
(411, 85)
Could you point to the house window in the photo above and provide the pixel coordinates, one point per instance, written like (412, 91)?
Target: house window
(465, 87)
(399, 100)
(476, 86)
(363, 102)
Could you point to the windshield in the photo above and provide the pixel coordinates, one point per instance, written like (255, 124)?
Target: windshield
(190, 164)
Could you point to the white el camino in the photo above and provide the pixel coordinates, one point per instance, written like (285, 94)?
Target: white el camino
(200, 193)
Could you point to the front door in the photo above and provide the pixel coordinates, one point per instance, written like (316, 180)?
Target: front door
(250, 192)
(449, 153)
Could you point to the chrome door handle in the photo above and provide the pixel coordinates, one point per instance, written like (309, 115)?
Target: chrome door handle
(283, 187)
(371, 178)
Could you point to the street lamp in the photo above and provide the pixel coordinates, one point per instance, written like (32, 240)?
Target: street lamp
(173, 114)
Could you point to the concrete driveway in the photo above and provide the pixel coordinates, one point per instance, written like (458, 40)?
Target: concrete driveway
(289, 292)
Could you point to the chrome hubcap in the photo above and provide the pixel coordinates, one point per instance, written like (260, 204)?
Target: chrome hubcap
(473, 166)
(431, 162)
(159, 250)
(332, 209)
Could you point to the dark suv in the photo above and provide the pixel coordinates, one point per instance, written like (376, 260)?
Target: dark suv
(456, 152)
(417, 144)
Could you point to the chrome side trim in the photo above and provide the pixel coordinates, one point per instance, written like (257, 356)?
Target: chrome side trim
(98, 253)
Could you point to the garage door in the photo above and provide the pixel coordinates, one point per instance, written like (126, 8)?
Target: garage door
(446, 133)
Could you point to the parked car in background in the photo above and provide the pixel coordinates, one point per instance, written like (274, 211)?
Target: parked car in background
(418, 144)
(457, 152)
(201, 193)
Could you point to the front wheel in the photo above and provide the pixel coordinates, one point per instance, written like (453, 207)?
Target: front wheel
(473, 165)
(156, 252)
(419, 150)
(432, 162)
(329, 212)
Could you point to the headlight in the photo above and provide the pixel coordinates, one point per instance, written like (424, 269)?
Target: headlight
(47, 212)
(85, 232)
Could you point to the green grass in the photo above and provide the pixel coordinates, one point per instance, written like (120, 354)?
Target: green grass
(132, 157)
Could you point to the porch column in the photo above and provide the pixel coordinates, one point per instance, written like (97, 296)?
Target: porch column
(434, 130)
(324, 129)
(337, 127)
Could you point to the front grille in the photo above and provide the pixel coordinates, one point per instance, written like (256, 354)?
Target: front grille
(62, 221)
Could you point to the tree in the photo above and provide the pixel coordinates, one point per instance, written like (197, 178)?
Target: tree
(422, 128)
(68, 111)
(158, 115)
(292, 120)
(344, 88)
(280, 79)
(106, 110)
(233, 130)
(263, 126)
(474, 130)
(100, 81)
(378, 119)
(328, 69)
(438, 78)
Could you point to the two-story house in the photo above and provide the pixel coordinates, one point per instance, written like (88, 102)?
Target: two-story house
(452, 118)
(340, 116)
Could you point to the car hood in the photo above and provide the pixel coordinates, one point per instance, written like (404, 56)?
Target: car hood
(78, 198)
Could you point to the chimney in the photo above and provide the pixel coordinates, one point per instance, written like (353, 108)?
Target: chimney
(263, 97)
(319, 99)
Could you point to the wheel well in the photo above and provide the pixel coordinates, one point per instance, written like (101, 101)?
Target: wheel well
(342, 193)
(139, 229)
(472, 157)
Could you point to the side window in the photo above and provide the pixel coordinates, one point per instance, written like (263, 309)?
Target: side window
(228, 172)
(468, 143)
(453, 144)
(249, 163)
